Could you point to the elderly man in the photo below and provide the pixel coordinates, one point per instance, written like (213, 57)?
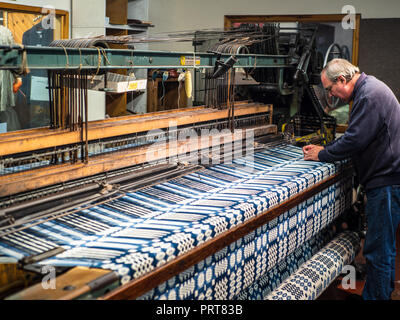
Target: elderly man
(372, 140)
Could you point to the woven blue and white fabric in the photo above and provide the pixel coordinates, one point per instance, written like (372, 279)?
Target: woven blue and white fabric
(267, 255)
(147, 228)
(315, 275)
(286, 266)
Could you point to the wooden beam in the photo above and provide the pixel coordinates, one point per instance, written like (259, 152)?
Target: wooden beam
(30, 180)
(36, 139)
(69, 285)
(356, 40)
(229, 20)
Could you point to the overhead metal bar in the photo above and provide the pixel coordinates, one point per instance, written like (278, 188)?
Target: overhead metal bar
(23, 58)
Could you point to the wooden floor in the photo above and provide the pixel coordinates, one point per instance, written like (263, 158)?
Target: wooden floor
(336, 292)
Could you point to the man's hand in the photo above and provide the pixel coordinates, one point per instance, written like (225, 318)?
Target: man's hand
(311, 152)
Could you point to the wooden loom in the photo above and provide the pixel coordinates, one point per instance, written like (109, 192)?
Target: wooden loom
(21, 190)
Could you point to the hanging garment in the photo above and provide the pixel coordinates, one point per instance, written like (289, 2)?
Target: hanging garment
(7, 98)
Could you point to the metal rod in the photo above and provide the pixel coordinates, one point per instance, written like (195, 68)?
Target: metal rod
(87, 58)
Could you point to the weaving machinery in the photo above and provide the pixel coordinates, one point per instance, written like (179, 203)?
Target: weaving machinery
(150, 207)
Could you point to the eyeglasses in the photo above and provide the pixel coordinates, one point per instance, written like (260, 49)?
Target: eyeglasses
(329, 88)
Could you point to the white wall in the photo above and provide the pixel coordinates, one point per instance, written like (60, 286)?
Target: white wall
(187, 14)
(178, 15)
(87, 18)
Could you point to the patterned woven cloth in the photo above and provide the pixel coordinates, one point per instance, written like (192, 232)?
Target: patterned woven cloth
(148, 228)
(315, 275)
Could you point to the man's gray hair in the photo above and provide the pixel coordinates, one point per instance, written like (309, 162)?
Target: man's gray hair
(340, 67)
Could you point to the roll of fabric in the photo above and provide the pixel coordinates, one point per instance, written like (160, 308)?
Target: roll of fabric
(314, 276)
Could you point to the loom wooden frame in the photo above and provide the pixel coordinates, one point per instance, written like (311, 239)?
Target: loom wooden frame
(36, 139)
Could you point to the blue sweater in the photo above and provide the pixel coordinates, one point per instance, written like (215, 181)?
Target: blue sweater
(372, 138)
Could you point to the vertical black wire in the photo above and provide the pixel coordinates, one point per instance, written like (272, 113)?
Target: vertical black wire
(62, 102)
(51, 107)
(86, 118)
(80, 85)
(56, 99)
(76, 89)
